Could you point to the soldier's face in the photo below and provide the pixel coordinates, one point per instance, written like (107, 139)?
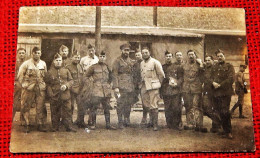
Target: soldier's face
(64, 52)
(76, 59)
(57, 62)
(21, 54)
(191, 55)
(221, 57)
(36, 55)
(138, 56)
(168, 58)
(126, 52)
(179, 56)
(102, 58)
(146, 54)
(209, 61)
(91, 52)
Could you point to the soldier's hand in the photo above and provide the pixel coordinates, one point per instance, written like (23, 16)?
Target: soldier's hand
(63, 87)
(116, 90)
(216, 85)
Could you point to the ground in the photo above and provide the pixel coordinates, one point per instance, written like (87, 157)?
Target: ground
(135, 138)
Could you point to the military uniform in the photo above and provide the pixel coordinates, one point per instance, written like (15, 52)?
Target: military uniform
(152, 77)
(31, 76)
(207, 99)
(17, 91)
(239, 88)
(171, 95)
(223, 74)
(123, 80)
(102, 77)
(76, 71)
(191, 90)
(60, 100)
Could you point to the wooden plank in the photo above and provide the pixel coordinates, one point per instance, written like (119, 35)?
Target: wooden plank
(29, 40)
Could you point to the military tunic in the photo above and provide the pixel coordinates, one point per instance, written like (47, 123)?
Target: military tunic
(223, 74)
(76, 71)
(171, 95)
(102, 77)
(239, 89)
(60, 100)
(191, 90)
(123, 80)
(17, 90)
(31, 76)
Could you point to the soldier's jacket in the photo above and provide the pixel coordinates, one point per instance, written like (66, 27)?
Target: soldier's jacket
(123, 74)
(17, 66)
(55, 78)
(31, 74)
(102, 77)
(174, 71)
(152, 73)
(239, 82)
(207, 80)
(76, 71)
(224, 74)
(192, 73)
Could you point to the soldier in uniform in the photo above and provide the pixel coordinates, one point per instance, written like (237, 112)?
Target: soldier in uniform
(64, 52)
(30, 75)
(152, 76)
(240, 89)
(102, 88)
(86, 92)
(17, 86)
(208, 105)
(192, 90)
(170, 92)
(59, 82)
(137, 82)
(123, 84)
(76, 71)
(223, 75)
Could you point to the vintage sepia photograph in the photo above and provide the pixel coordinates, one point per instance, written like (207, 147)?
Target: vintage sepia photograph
(131, 79)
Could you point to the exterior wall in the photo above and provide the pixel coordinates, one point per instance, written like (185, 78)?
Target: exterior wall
(234, 46)
(173, 17)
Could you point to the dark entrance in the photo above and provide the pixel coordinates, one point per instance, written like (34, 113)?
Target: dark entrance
(51, 46)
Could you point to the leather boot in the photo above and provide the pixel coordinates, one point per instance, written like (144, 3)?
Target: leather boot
(155, 119)
(94, 119)
(42, 128)
(108, 125)
(120, 121)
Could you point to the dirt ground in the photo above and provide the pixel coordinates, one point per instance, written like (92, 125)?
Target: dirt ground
(135, 138)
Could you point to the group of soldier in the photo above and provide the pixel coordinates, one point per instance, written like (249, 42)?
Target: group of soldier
(88, 82)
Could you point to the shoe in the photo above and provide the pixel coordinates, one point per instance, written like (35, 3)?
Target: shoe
(229, 136)
(92, 127)
(221, 133)
(82, 125)
(242, 116)
(197, 129)
(54, 129)
(188, 127)
(203, 130)
(121, 126)
(27, 129)
(42, 128)
(143, 122)
(214, 130)
(70, 129)
(111, 127)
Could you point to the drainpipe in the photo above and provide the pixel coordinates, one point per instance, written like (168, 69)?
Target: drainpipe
(155, 16)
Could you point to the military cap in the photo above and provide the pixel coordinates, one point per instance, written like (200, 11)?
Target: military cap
(244, 66)
(90, 46)
(35, 49)
(62, 47)
(103, 53)
(219, 51)
(56, 56)
(167, 52)
(124, 46)
(75, 52)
